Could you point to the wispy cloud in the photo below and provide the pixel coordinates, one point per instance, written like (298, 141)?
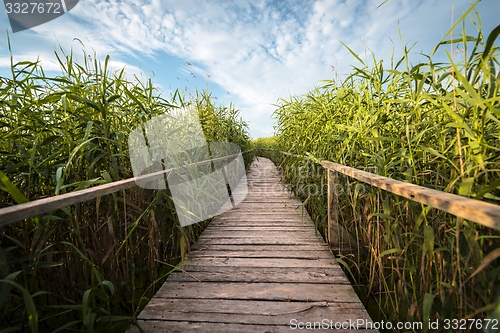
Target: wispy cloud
(258, 51)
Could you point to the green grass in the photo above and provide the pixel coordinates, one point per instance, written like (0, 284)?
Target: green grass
(431, 124)
(92, 266)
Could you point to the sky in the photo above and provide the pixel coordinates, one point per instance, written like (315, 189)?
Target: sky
(249, 53)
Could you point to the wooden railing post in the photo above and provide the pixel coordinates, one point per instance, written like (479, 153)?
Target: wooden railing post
(333, 209)
(339, 238)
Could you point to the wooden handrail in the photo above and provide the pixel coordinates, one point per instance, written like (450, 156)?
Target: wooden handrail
(477, 211)
(30, 209)
(481, 212)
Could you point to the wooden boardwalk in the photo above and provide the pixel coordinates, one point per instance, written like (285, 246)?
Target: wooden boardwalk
(259, 267)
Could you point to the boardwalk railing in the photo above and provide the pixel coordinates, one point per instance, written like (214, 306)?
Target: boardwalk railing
(31, 209)
(477, 211)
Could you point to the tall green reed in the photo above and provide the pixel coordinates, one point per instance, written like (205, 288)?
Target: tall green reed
(91, 266)
(432, 124)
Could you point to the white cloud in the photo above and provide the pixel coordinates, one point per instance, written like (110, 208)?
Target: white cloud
(258, 51)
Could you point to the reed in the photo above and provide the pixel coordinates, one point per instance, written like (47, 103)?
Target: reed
(431, 124)
(89, 267)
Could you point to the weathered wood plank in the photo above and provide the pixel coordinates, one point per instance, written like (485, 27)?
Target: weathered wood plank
(187, 326)
(263, 262)
(288, 202)
(292, 254)
(265, 226)
(268, 308)
(257, 241)
(256, 274)
(245, 312)
(249, 216)
(250, 207)
(272, 203)
(272, 291)
(256, 233)
(251, 247)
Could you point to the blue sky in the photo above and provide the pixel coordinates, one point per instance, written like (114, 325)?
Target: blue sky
(250, 53)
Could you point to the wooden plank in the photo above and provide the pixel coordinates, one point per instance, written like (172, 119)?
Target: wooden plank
(285, 202)
(293, 254)
(288, 202)
(244, 307)
(251, 247)
(264, 253)
(187, 326)
(256, 274)
(262, 224)
(269, 211)
(259, 223)
(249, 205)
(204, 241)
(263, 262)
(252, 216)
(272, 291)
(297, 231)
(265, 197)
(263, 214)
(245, 312)
(277, 213)
(258, 234)
(265, 228)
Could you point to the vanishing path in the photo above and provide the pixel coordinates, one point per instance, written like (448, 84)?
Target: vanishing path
(259, 267)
